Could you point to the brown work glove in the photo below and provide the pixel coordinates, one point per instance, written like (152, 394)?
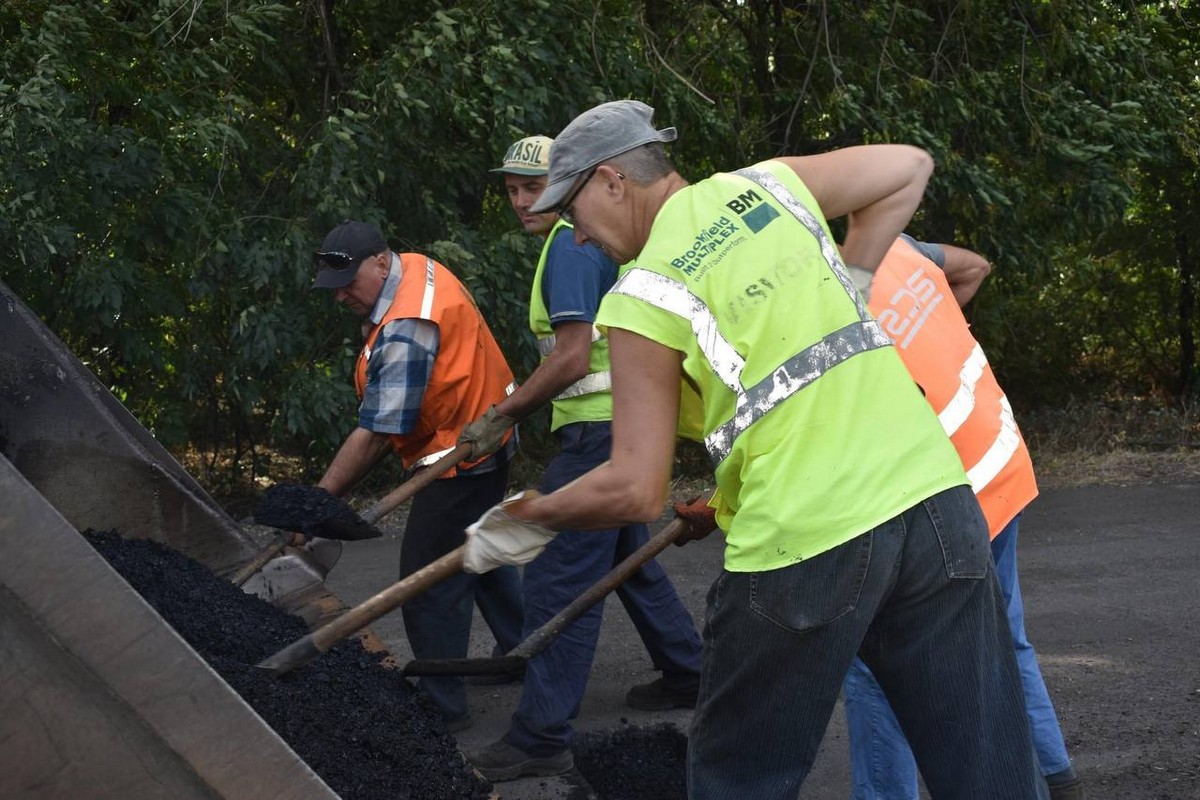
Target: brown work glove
(701, 519)
(486, 434)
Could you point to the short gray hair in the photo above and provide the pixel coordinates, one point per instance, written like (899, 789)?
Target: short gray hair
(644, 165)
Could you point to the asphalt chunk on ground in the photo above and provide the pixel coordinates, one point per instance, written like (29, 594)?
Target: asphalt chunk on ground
(634, 763)
(361, 726)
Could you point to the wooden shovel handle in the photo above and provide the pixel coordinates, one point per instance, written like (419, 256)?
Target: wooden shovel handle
(395, 595)
(536, 642)
(281, 540)
(416, 483)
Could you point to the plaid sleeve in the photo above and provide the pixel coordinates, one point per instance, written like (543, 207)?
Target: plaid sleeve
(397, 374)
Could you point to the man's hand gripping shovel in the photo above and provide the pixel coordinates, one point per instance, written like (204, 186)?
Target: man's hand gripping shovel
(497, 539)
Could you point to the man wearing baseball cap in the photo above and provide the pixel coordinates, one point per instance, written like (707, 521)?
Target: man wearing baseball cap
(428, 366)
(574, 379)
(849, 522)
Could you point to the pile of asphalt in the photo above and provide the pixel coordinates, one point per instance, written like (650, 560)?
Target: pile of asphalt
(361, 726)
(634, 763)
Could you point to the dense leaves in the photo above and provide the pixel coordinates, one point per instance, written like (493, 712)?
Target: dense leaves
(171, 165)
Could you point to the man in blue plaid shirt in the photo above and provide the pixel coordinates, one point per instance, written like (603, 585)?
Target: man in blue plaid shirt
(429, 365)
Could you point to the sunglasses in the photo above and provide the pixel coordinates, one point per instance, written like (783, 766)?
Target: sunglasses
(565, 210)
(335, 259)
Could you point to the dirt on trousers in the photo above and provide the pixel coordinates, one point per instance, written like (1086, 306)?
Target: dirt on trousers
(358, 724)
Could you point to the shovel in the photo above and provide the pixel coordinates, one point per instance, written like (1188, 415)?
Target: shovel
(312, 646)
(335, 518)
(515, 661)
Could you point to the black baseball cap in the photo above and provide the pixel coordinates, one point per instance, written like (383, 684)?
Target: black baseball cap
(343, 251)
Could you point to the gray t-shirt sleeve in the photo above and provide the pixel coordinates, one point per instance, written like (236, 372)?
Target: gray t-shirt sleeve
(933, 252)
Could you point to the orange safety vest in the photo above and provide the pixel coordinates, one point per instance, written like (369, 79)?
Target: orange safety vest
(912, 301)
(469, 373)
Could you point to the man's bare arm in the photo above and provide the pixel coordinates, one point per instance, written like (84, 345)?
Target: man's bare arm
(633, 484)
(361, 451)
(878, 186)
(567, 363)
(965, 271)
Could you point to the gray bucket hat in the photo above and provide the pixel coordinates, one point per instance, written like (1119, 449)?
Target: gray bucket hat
(593, 137)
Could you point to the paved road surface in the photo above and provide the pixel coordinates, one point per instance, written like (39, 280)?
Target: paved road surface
(1110, 579)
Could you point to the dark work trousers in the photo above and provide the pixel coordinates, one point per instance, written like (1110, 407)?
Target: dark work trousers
(917, 598)
(438, 622)
(574, 560)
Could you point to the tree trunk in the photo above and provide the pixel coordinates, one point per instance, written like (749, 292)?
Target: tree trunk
(1187, 313)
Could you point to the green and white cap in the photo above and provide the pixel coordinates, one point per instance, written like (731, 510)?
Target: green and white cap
(528, 156)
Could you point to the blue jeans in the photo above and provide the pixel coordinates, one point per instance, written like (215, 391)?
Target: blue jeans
(555, 679)
(438, 621)
(917, 598)
(881, 761)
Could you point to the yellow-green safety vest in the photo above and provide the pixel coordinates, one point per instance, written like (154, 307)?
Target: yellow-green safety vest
(589, 399)
(816, 431)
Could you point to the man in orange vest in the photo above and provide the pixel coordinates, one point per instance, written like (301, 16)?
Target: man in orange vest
(429, 366)
(916, 296)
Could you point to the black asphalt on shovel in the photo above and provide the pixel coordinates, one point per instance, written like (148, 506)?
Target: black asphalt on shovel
(313, 645)
(294, 509)
(515, 661)
(315, 512)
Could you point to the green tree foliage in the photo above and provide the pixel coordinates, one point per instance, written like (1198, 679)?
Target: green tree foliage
(173, 164)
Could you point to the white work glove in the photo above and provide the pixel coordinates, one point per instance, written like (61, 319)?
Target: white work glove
(498, 538)
(486, 434)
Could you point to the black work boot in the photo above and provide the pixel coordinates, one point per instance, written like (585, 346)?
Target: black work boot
(1071, 790)
(500, 761)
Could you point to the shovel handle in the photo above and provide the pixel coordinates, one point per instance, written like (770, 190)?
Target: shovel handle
(395, 595)
(537, 641)
(416, 483)
(260, 560)
(312, 646)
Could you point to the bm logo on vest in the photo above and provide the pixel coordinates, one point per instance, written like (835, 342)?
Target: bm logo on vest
(755, 218)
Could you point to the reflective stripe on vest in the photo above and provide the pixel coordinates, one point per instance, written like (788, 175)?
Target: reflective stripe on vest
(958, 411)
(1008, 441)
(799, 371)
(829, 249)
(589, 384)
(545, 344)
(427, 299)
(469, 373)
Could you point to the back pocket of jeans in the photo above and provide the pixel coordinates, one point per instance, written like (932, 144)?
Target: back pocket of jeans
(815, 592)
(962, 532)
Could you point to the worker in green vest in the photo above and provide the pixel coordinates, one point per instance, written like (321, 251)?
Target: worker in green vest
(850, 525)
(574, 379)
